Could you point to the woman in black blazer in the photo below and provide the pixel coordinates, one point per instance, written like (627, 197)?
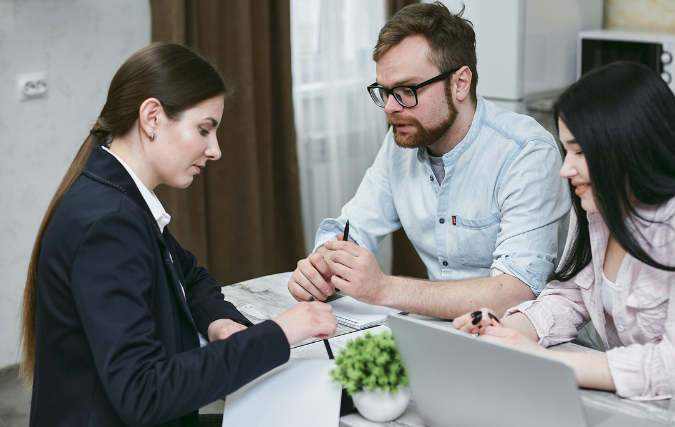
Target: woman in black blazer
(113, 305)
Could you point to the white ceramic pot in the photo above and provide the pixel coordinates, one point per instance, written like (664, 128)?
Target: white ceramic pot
(381, 407)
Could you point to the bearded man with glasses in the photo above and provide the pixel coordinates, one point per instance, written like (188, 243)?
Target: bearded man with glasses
(475, 187)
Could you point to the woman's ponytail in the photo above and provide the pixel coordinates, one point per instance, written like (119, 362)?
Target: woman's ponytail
(30, 294)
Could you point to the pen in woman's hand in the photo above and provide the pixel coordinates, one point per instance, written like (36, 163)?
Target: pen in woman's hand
(325, 342)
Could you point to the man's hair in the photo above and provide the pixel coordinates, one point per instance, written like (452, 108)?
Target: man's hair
(452, 41)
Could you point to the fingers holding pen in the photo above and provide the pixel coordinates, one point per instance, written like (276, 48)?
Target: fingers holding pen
(307, 319)
(341, 245)
(328, 322)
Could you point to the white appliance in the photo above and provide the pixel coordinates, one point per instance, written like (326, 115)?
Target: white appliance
(526, 48)
(601, 47)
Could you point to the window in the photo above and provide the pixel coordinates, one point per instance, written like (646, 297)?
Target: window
(339, 129)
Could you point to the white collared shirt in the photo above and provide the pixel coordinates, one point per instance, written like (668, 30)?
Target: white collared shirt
(150, 198)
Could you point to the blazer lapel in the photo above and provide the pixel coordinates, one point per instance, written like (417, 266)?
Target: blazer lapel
(178, 280)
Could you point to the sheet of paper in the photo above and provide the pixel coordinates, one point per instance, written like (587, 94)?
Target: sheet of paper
(317, 350)
(281, 398)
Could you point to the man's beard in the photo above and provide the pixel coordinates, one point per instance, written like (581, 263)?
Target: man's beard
(423, 136)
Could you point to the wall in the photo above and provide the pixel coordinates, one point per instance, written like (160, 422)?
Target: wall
(640, 15)
(80, 44)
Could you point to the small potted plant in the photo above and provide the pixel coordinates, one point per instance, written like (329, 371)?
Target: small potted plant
(371, 370)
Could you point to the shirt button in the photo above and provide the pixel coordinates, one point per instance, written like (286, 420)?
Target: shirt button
(619, 328)
(445, 263)
(441, 220)
(431, 178)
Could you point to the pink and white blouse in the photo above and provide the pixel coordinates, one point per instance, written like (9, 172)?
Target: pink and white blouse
(640, 336)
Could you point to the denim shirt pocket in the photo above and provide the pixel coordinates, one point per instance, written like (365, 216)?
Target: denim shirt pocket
(476, 239)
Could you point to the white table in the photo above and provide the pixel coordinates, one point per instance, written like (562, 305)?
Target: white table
(265, 297)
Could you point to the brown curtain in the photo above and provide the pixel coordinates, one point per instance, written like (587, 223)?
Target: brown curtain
(406, 261)
(241, 217)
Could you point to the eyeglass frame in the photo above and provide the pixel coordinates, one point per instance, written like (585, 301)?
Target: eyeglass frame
(414, 88)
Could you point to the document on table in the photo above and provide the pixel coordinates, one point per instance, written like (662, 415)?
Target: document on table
(357, 314)
(281, 398)
(317, 350)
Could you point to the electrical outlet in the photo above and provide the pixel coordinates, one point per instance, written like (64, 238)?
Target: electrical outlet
(31, 86)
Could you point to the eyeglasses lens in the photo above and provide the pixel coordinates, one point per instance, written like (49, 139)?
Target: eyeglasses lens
(379, 96)
(403, 95)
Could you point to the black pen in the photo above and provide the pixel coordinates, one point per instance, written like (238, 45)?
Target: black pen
(345, 236)
(325, 342)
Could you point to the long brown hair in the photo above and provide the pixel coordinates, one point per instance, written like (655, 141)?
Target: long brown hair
(451, 38)
(173, 74)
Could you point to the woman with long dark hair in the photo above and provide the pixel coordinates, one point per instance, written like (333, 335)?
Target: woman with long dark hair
(113, 306)
(617, 128)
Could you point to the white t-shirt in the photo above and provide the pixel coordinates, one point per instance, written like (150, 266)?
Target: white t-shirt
(609, 289)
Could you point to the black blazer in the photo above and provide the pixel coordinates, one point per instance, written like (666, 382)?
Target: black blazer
(116, 340)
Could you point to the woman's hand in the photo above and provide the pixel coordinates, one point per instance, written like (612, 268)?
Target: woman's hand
(510, 337)
(472, 323)
(307, 319)
(223, 328)
(485, 323)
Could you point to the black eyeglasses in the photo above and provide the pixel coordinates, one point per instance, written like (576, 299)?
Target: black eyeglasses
(404, 95)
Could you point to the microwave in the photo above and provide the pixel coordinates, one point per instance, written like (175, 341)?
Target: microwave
(601, 47)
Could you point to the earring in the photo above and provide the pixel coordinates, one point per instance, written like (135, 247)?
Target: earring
(152, 137)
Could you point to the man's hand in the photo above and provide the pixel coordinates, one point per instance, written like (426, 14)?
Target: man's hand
(313, 276)
(356, 272)
(223, 328)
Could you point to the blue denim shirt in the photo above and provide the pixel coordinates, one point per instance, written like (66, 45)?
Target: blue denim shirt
(502, 207)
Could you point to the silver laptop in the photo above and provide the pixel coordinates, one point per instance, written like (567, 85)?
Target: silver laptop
(461, 380)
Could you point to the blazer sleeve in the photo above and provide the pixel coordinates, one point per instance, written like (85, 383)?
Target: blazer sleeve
(112, 285)
(203, 293)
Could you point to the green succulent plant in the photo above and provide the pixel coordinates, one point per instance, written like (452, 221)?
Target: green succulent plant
(370, 362)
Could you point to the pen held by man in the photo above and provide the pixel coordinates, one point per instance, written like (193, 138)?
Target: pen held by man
(313, 275)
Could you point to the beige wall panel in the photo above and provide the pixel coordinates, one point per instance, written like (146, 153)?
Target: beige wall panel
(641, 15)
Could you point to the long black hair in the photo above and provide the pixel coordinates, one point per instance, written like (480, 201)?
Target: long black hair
(623, 117)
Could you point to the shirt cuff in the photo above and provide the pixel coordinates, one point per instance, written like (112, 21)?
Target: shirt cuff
(536, 317)
(518, 268)
(631, 375)
(328, 230)
(495, 271)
